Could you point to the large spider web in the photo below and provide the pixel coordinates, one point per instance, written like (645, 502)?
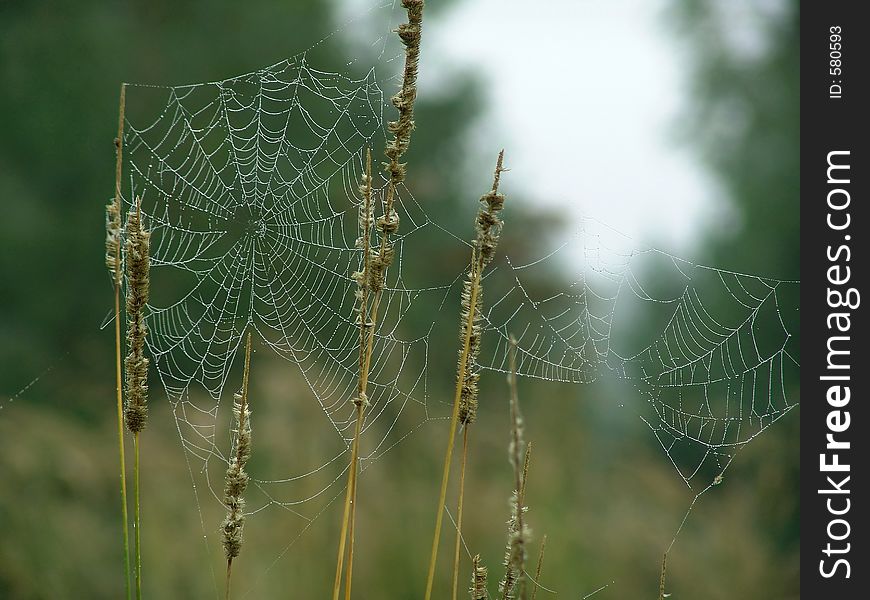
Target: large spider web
(710, 350)
(250, 188)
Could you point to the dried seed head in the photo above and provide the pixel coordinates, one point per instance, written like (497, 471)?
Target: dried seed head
(478, 579)
(236, 481)
(232, 528)
(402, 127)
(137, 263)
(361, 399)
(488, 223)
(378, 265)
(113, 240)
(470, 370)
(468, 399)
(366, 210)
(136, 409)
(512, 584)
(388, 224)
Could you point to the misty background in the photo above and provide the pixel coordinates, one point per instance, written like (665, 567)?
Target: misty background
(673, 121)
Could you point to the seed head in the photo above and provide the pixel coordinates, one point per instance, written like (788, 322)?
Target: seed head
(113, 241)
(236, 481)
(478, 579)
(137, 262)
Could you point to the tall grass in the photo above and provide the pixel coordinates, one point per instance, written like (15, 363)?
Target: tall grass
(114, 264)
(513, 585)
(370, 280)
(539, 568)
(236, 480)
(662, 594)
(487, 227)
(137, 263)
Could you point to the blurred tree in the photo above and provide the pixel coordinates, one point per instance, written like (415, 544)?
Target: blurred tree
(744, 120)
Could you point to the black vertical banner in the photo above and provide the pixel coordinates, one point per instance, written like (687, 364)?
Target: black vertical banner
(835, 224)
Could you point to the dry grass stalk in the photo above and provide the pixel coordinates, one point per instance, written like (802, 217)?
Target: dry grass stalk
(488, 227)
(113, 263)
(662, 594)
(539, 568)
(365, 284)
(513, 584)
(459, 508)
(137, 263)
(236, 478)
(478, 580)
(375, 264)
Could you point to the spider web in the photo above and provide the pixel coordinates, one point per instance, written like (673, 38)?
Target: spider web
(710, 350)
(250, 188)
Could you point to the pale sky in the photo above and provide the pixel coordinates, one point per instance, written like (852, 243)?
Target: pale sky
(584, 95)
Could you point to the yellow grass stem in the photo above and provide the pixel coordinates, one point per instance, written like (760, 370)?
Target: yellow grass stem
(662, 576)
(371, 280)
(456, 548)
(451, 437)
(465, 396)
(363, 279)
(540, 567)
(514, 583)
(137, 523)
(113, 261)
(342, 540)
(121, 453)
(137, 263)
(366, 341)
(236, 477)
(351, 530)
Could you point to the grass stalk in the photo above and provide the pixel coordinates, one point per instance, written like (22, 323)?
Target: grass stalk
(364, 289)
(370, 280)
(137, 522)
(236, 477)
(662, 594)
(460, 504)
(228, 578)
(539, 568)
(366, 341)
(451, 437)
(352, 525)
(121, 453)
(513, 585)
(488, 227)
(137, 263)
(113, 262)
